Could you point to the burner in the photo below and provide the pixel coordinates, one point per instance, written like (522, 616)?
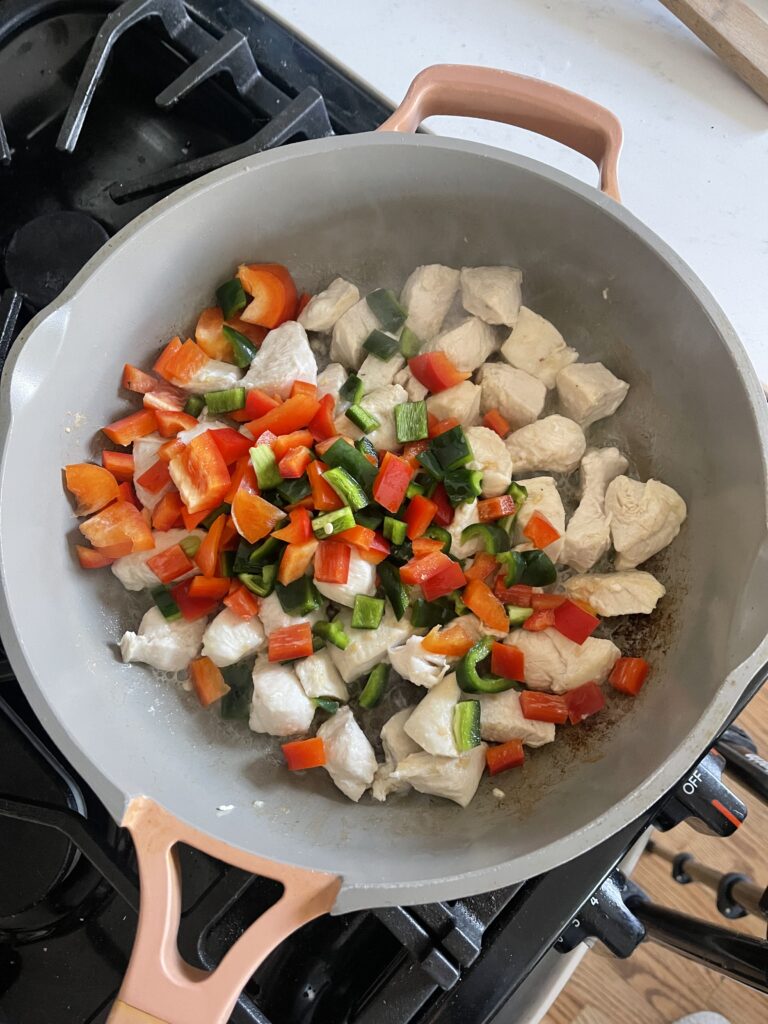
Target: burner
(45, 253)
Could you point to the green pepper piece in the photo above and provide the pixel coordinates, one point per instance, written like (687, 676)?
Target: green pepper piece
(347, 488)
(243, 349)
(223, 510)
(326, 704)
(411, 421)
(514, 563)
(494, 539)
(428, 461)
(362, 419)
(299, 597)
(236, 705)
(333, 522)
(381, 345)
(166, 602)
(394, 529)
(373, 690)
(348, 457)
(384, 305)
(369, 518)
(441, 534)
(463, 485)
(352, 390)
(190, 545)
(428, 614)
(194, 405)
(232, 298)
(262, 582)
(265, 464)
(517, 615)
(414, 489)
(401, 553)
(226, 563)
(367, 612)
(466, 725)
(410, 343)
(539, 569)
(332, 633)
(519, 493)
(452, 449)
(468, 677)
(394, 591)
(366, 447)
(229, 400)
(293, 490)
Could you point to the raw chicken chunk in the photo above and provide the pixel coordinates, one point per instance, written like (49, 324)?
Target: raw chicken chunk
(284, 357)
(168, 646)
(416, 665)
(517, 395)
(537, 347)
(397, 746)
(361, 580)
(144, 457)
(349, 333)
(431, 724)
(273, 617)
(330, 380)
(367, 647)
(279, 705)
(380, 403)
(644, 518)
(501, 720)
(630, 592)
(492, 458)
(324, 309)
(467, 346)
(216, 375)
(349, 757)
(553, 662)
(543, 497)
(318, 675)
(427, 295)
(588, 534)
(414, 388)
(589, 392)
(465, 515)
(229, 638)
(377, 373)
(492, 293)
(454, 778)
(133, 571)
(555, 444)
(461, 402)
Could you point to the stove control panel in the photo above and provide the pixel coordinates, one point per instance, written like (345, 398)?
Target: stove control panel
(604, 916)
(704, 800)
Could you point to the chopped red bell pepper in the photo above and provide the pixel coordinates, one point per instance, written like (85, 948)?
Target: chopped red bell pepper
(90, 558)
(171, 422)
(496, 422)
(302, 754)
(519, 595)
(207, 557)
(231, 443)
(119, 464)
(539, 531)
(303, 387)
(285, 442)
(239, 470)
(294, 463)
(193, 520)
(322, 424)
(438, 427)
(291, 642)
(120, 523)
(420, 569)
(436, 371)
(209, 335)
(299, 529)
(155, 478)
(192, 608)
(444, 582)
(254, 517)
(573, 622)
(137, 380)
(242, 602)
(130, 428)
(425, 546)
(359, 536)
(544, 707)
(184, 364)
(296, 559)
(256, 404)
(207, 681)
(293, 414)
(167, 452)
(508, 661)
(170, 564)
(445, 511)
(324, 498)
(214, 587)
(165, 357)
(332, 562)
(480, 599)
(452, 641)
(583, 701)
(378, 549)
(419, 514)
(495, 508)
(125, 492)
(504, 756)
(391, 483)
(629, 674)
(119, 550)
(482, 566)
(542, 619)
(167, 512)
(540, 602)
(93, 487)
(413, 448)
(201, 474)
(165, 397)
(273, 294)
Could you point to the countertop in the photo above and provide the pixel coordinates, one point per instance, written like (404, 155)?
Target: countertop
(695, 160)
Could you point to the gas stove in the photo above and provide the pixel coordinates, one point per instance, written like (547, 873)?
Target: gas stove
(105, 108)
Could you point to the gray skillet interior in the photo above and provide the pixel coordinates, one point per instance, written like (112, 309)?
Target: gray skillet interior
(373, 208)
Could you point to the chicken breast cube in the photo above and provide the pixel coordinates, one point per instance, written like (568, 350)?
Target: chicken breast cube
(367, 647)
(645, 518)
(465, 515)
(318, 675)
(167, 646)
(145, 451)
(555, 444)
(467, 345)
(461, 402)
(397, 746)
(324, 309)
(492, 458)
(454, 778)
(279, 706)
(492, 293)
(630, 592)
(379, 403)
(537, 347)
(361, 580)
(349, 333)
(230, 638)
(133, 571)
(431, 724)
(330, 380)
(416, 665)
(216, 375)
(349, 757)
(553, 662)
(589, 392)
(414, 388)
(284, 357)
(377, 373)
(543, 497)
(517, 395)
(273, 617)
(501, 720)
(588, 534)
(427, 295)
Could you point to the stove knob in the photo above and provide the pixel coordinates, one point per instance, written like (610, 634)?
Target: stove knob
(604, 916)
(703, 797)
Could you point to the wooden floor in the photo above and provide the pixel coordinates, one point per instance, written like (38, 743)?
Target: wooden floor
(654, 986)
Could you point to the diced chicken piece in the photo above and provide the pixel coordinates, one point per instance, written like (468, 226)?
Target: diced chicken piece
(319, 677)
(589, 392)
(279, 706)
(555, 444)
(467, 345)
(324, 309)
(284, 357)
(464, 515)
(416, 665)
(631, 592)
(645, 517)
(397, 746)
(414, 388)
(537, 347)
(492, 293)
(431, 724)
(517, 395)
(553, 662)
(216, 375)
(361, 580)
(330, 380)
(492, 458)
(427, 295)
(377, 373)
(543, 497)
(367, 647)
(133, 571)
(349, 757)
(461, 402)
(454, 778)
(273, 617)
(167, 646)
(145, 451)
(501, 720)
(588, 534)
(349, 333)
(379, 403)
(229, 638)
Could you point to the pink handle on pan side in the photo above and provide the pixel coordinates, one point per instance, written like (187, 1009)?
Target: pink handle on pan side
(159, 986)
(467, 91)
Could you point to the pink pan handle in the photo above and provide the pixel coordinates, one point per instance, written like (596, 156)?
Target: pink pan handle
(466, 91)
(159, 986)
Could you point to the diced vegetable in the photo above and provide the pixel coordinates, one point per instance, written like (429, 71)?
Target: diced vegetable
(394, 591)
(265, 466)
(322, 424)
(508, 661)
(167, 512)
(427, 460)
(504, 756)
(254, 516)
(414, 489)
(119, 464)
(242, 602)
(453, 641)
(324, 498)
(445, 513)
(423, 546)
(171, 421)
(391, 483)
(428, 614)
(444, 582)
(496, 422)
(291, 642)
(411, 421)
(207, 557)
(221, 510)
(257, 404)
(629, 674)
(302, 754)
(463, 485)
(214, 587)
(544, 707)
(231, 297)
(326, 704)
(166, 603)
(201, 474)
(333, 522)
(165, 357)
(363, 419)
(346, 456)
(543, 601)
(352, 390)
(287, 442)
(539, 531)
(574, 622)
(435, 371)
(495, 508)
(120, 523)
(192, 608)
(519, 595)
(495, 540)
(410, 343)
(125, 492)
(155, 478)
(394, 529)
(583, 701)
(243, 350)
(298, 597)
(273, 294)
(170, 564)
(437, 427)
(366, 447)
(332, 562)
(183, 364)
(232, 444)
(439, 534)
(261, 581)
(225, 401)
(347, 488)
(419, 514)
(419, 569)
(452, 449)
(127, 430)
(381, 345)
(539, 570)
(293, 414)
(236, 705)
(539, 620)
(194, 405)
(385, 306)
(468, 675)
(209, 334)
(207, 681)
(93, 487)
(296, 559)
(466, 725)
(332, 633)
(298, 530)
(373, 690)
(90, 558)
(480, 599)
(367, 612)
